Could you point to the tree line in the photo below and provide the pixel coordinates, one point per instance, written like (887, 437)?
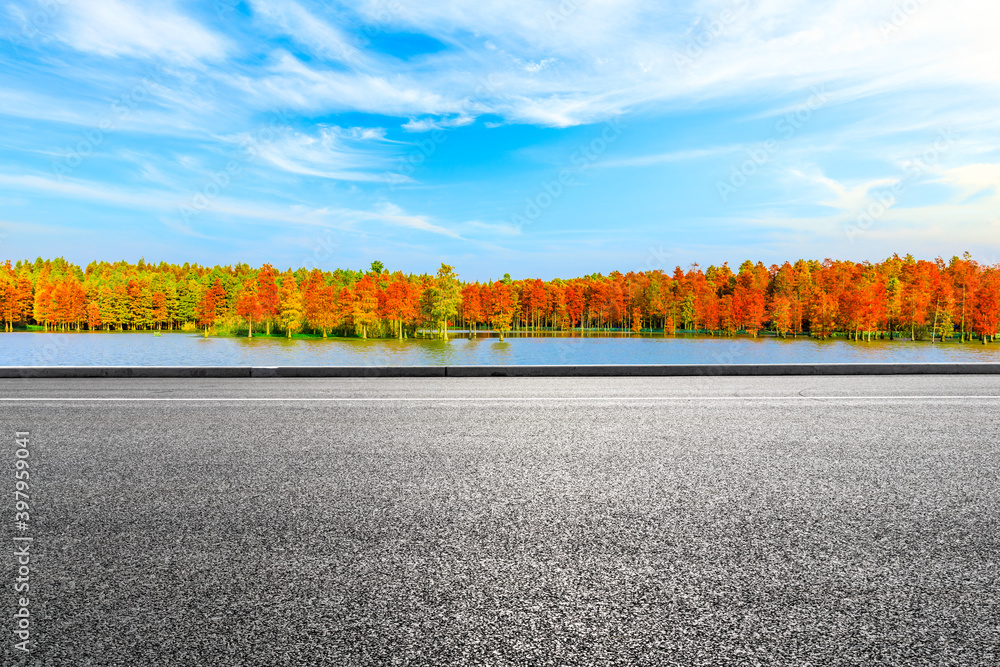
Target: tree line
(899, 297)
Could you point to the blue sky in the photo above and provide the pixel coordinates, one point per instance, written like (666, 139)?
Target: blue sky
(544, 139)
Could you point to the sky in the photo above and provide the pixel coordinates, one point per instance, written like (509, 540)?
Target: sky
(543, 139)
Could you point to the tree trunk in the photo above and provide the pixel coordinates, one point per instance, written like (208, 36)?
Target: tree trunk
(963, 312)
(934, 329)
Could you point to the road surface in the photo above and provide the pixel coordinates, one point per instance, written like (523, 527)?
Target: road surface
(508, 521)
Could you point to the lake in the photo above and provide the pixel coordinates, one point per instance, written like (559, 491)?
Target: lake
(187, 349)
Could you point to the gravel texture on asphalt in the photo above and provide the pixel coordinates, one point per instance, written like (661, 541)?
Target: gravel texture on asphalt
(601, 530)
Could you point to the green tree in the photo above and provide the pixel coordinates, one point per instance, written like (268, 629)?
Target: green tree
(446, 296)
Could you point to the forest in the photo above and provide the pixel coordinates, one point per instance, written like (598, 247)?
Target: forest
(900, 297)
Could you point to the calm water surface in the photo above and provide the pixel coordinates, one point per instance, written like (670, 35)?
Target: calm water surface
(182, 349)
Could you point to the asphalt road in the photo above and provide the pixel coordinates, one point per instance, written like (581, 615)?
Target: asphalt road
(508, 521)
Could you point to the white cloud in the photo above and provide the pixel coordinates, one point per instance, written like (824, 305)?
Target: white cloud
(973, 179)
(568, 63)
(604, 57)
(875, 213)
(394, 215)
(116, 28)
(849, 198)
(269, 214)
(301, 86)
(428, 124)
(291, 19)
(587, 62)
(667, 157)
(333, 152)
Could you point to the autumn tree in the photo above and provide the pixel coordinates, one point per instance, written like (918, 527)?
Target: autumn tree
(964, 274)
(320, 302)
(365, 304)
(822, 298)
(575, 304)
(398, 305)
(267, 295)
(9, 306)
(916, 296)
(823, 315)
(503, 305)
(290, 304)
(207, 310)
(446, 297)
(986, 305)
(749, 298)
(781, 315)
(25, 295)
(472, 305)
(248, 305)
(160, 313)
(93, 316)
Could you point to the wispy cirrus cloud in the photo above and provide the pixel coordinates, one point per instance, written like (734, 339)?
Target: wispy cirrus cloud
(351, 154)
(139, 29)
(318, 35)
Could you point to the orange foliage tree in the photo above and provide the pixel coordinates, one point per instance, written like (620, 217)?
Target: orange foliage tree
(211, 301)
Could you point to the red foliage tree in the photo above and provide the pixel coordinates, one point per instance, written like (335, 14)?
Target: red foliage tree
(248, 305)
(472, 305)
(267, 295)
(207, 309)
(986, 306)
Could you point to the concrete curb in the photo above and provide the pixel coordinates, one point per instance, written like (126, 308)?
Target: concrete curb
(347, 371)
(679, 370)
(704, 370)
(124, 372)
